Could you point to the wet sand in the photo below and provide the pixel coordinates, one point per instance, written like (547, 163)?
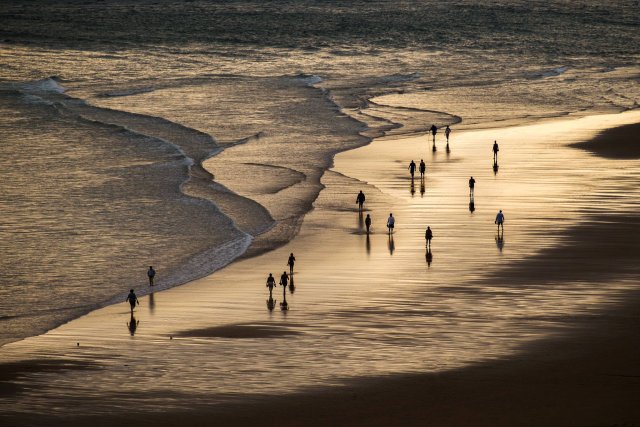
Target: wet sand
(538, 328)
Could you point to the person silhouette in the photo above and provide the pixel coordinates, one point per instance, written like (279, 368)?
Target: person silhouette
(495, 152)
(360, 200)
(423, 168)
(151, 273)
(284, 279)
(391, 222)
(472, 184)
(500, 221)
(132, 299)
(412, 168)
(428, 235)
(283, 305)
(367, 223)
(447, 132)
(271, 283)
(433, 130)
(290, 262)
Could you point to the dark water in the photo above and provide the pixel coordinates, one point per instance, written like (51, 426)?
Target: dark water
(104, 179)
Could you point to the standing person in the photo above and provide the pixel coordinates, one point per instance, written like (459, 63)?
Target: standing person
(284, 279)
(290, 263)
(433, 130)
(428, 235)
(423, 168)
(367, 222)
(447, 132)
(500, 221)
(412, 168)
(151, 273)
(472, 184)
(391, 222)
(360, 200)
(495, 152)
(132, 299)
(271, 283)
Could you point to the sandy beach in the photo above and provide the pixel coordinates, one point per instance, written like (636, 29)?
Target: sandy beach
(536, 327)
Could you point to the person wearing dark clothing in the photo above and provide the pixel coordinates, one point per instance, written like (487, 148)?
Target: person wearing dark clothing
(151, 273)
(132, 299)
(271, 283)
(284, 279)
(412, 168)
(500, 221)
(423, 168)
(495, 152)
(447, 132)
(472, 184)
(360, 200)
(428, 235)
(290, 263)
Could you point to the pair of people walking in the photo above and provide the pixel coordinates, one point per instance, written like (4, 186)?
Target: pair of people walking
(412, 168)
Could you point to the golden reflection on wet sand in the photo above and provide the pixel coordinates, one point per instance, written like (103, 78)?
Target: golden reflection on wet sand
(363, 306)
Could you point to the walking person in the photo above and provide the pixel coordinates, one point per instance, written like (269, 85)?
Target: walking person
(151, 273)
(360, 200)
(495, 152)
(428, 235)
(447, 132)
(367, 223)
(412, 168)
(271, 283)
(132, 299)
(423, 168)
(433, 130)
(472, 184)
(284, 279)
(500, 221)
(391, 222)
(290, 262)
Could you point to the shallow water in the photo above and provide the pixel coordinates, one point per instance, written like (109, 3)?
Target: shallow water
(364, 307)
(179, 81)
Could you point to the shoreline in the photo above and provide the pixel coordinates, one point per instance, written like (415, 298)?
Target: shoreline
(336, 400)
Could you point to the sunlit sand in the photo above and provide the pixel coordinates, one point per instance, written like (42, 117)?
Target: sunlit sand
(364, 306)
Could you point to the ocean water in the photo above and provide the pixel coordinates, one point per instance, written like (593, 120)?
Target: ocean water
(187, 134)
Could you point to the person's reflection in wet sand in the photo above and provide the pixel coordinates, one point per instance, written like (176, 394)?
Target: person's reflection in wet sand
(368, 244)
(472, 204)
(500, 241)
(413, 187)
(132, 325)
(422, 187)
(495, 168)
(292, 286)
(447, 148)
(429, 257)
(271, 304)
(392, 245)
(360, 221)
(152, 303)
